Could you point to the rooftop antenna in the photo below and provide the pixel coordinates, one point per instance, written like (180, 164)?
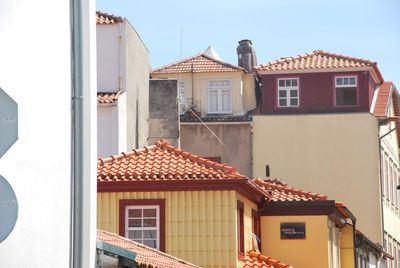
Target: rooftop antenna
(180, 50)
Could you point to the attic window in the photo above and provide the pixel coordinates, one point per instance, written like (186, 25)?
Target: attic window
(346, 90)
(288, 92)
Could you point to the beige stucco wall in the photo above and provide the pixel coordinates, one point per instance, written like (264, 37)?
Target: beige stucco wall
(236, 151)
(332, 154)
(243, 97)
(137, 72)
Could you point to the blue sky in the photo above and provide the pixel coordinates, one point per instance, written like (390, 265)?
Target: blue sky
(360, 28)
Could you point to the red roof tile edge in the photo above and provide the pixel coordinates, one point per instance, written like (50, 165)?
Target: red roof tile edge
(163, 144)
(322, 52)
(126, 240)
(268, 260)
(105, 18)
(225, 64)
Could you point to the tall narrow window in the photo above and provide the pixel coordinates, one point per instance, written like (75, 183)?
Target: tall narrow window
(256, 227)
(288, 92)
(346, 90)
(240, 227)
(219, 96)
(182, 96)
(143, 221)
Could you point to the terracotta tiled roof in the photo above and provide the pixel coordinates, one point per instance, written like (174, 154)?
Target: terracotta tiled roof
(162, 162)
(108, 97)
(104, 18)
(144, 255)
(254, 259)
(382, 99)
(280, 191)
(320, 60)
(199, 63)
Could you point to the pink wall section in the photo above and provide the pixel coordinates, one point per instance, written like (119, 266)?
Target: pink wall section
(316, 91)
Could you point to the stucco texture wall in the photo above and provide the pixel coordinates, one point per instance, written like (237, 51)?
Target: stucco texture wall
(137, 72)
(294, 251)
(243, 97)
(332, 154)
(236, 151)
(200, 225)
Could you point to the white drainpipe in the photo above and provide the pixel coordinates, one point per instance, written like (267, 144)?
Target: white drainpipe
(83, 146)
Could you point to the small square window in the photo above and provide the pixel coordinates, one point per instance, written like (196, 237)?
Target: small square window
(288, 92)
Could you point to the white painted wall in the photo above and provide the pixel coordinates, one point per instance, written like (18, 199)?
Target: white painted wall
(35, 71)
(107, 130)
(108, 57)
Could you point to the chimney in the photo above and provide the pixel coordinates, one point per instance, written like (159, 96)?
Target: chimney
(246, 55)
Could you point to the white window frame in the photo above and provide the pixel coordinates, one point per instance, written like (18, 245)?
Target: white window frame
(287, 90)
(182, 96)
(348, 85)
(219, 91)
(157, 228)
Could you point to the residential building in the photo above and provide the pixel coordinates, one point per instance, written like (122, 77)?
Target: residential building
(123, 68)
(114, 251)
(322, 124)
(215, 98)
(211, 215)
(47, 72)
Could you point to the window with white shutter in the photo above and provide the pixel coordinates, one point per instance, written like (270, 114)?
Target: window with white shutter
(219, 96)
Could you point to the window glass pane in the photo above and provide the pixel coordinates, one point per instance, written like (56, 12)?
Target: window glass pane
(346, 96)
(150, 243)
(150, 234)
(135, 213)
(281, 83)
(352, 80)
(149, 213)
(213, 95)
(293, 102)
(339, 81)
(345, 81)
(135, 223)
(282, 93)
(293, 93)
(294, 82)
(135, 234)
(282, 102)
(149, 223)
(226, 101)
(288, 82)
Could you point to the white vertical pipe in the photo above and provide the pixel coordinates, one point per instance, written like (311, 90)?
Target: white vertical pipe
(83, 181)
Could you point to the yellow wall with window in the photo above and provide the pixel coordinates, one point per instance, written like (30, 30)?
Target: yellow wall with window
(242, 88)
(200, 226)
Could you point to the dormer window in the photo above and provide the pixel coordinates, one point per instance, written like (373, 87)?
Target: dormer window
(346, 90)
(288, 92)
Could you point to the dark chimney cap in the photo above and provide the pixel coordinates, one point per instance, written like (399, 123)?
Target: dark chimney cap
(243, 41)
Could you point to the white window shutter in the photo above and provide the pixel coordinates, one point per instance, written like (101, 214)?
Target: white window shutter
(212, 101)
(226, 101)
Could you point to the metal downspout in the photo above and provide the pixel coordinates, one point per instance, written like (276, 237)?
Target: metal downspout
(82, 227)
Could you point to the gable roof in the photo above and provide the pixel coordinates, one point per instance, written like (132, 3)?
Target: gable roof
(108, 98)
(104, 18)
(145, 256)
(318, 60)
(280, 191)
(385, 93)
(254, 259)
(163, 167)
(199, 63)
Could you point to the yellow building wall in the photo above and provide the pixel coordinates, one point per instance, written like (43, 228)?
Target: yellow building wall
(333, 154)
(200, 225)
(311, 252)
(243, 96)
(347, 247)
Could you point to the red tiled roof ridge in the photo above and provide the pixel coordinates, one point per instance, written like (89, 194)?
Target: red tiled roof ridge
(268, 260)
(163, 144)
(105, 18)
(108, 97)
(271, 185)
(225, 64)
(129, 241)
(315, 52)
(382, 99)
